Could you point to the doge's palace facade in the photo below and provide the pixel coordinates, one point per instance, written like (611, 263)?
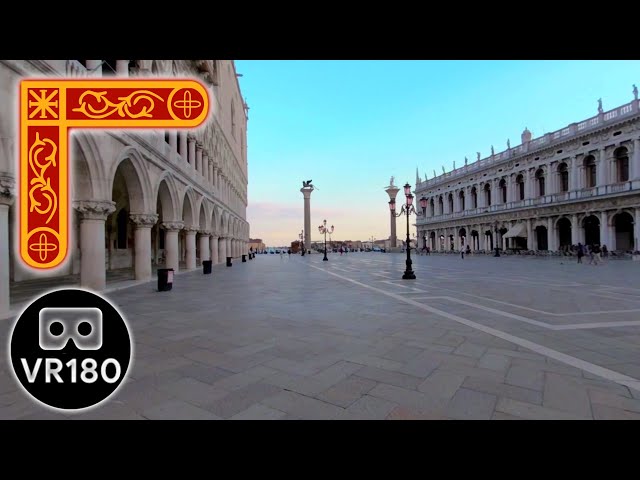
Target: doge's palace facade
(578, 184)
(140, 199)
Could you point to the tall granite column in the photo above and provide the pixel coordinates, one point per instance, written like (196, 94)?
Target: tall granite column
(306, 192)
(392, 191)
(172, 258)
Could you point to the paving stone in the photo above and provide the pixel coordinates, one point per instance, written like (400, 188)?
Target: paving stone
(297, 383)
(504, 416)
(493, 361)
(259, 412)
(193, 391)
(561, 393)
(237, 380)
(206, 357)
(241, 399)
(178, 410)
(613, 400)
(303, 407)
(530, 411)
(503, 390)
(407, 398)
(404, 413)
(469, 349)
(471, 405)
(402, 353)
(392, 378)
(525, 377)
(43, 415)
(370, 408)
(421, 366)
(373, 361)
(203, 373)
(451, 340)
(347, 391)
(606, 412)
(261, 371)
(442, 384)
(337, 372)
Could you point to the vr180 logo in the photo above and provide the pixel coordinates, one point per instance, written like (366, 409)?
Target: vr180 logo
(70, 349)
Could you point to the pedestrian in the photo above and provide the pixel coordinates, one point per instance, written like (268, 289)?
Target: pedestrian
(462, 253)
(281, 254)
(289, 253)
(580, 252)
(605, 252)
(591, 255)
(596, 254)
(468, 251)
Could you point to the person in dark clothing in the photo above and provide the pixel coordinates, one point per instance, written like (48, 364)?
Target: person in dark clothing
(289, 252)
(580, 252)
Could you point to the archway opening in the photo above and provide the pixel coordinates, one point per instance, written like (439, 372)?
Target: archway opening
(563, 173)
(474, 198)
(520, 183)
(540, 182)
(621, 156)
(541, 237)
(591, 225)
(564, 233)
(487, 194)
(623, 226)
(590, 171)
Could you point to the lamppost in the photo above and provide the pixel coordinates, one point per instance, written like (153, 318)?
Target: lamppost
(495, 240)
(301, 236)
(408, 209)
(324, 230)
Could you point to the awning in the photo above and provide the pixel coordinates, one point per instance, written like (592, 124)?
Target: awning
(518, 230)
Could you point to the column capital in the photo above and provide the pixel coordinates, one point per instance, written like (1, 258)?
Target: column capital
(199, 145)
(206, 233)
(211, 162)
(94, 209)
(144, 219)
(191, 137)
(214, 235)
(7, 189)
(191, 230)
(173, 226)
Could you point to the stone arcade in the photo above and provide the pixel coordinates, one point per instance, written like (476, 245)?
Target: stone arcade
(141, 199)
(578, 184)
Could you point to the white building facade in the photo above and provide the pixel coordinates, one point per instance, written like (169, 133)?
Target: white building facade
(140, 199)
(580, 184)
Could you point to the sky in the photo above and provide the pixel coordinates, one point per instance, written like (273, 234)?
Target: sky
(351, 125)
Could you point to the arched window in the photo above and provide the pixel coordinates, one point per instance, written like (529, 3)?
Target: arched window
(520, 183)
(122, 222)
(503, 190)
(622, 164)
(563, 172)
(540, 182)
(487, 194)
(450, 199)
(462, 200)
(440, 205)
(433, 207)
(590, 171)
(474, 198)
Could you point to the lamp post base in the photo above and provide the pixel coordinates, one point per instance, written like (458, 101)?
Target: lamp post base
(497, 254)
(325, 259)
(408, 273)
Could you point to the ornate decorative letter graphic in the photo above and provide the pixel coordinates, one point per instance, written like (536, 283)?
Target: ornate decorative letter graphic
(49, 108)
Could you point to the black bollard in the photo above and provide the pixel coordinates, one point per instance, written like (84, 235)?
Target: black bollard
(229, 262)
(244, 258)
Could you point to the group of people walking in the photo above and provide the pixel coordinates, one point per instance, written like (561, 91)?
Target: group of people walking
(596, 253)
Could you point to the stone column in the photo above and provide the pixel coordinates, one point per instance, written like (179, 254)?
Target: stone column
(222, 250)
(173, 141)
(184, 148)
(634, 165)
(7, 185)
(96, 67)
(604, 230)
(529, 235)
(601, 169)
(213, 245)
(636, 230)
(228, 248)
(122, 68)
(190, 239)
(172, 229)
(551, 235)
(208, 165)
(142, 238)
(199, 158)
(205, 252)
(92, 252)
(575, 233)
(574, 182)
(306, 192)
(191, 157)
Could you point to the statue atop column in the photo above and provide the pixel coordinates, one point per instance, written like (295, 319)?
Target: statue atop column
(508, 144)
(454, 164)
(443, 169)
(492, 152)
(307, 184)
(600, 106)
(466, 161)
(635, 92)
(478, 155)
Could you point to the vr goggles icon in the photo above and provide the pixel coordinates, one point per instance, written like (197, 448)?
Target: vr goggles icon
(58, 325)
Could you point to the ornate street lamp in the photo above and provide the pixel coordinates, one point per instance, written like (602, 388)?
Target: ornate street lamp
(495, 241)
(324, 230)
(301, 236)
(408, 209)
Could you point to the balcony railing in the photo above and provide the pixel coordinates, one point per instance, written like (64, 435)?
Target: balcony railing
(76, 69)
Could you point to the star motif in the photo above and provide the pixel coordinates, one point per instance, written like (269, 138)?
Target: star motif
(43, 104)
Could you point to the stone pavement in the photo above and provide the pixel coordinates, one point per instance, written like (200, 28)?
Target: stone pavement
(298, 338)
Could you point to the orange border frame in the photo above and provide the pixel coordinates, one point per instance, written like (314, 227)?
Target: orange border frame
(63, 124)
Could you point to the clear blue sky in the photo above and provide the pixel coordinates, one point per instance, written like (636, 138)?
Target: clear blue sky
(350, 125)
